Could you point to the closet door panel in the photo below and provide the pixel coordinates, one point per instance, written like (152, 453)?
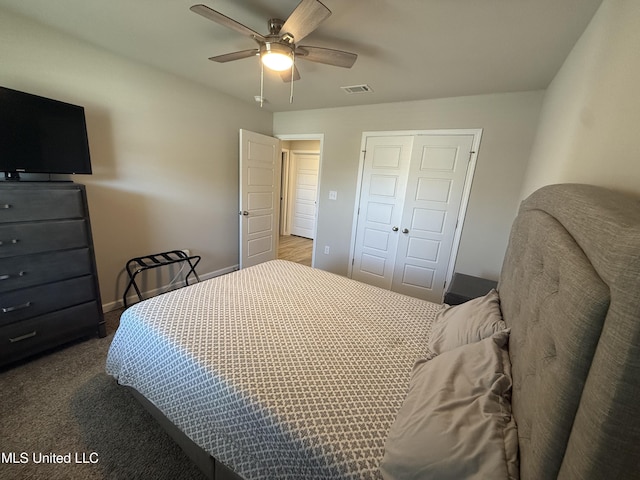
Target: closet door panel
(384, 182)
(435, 186)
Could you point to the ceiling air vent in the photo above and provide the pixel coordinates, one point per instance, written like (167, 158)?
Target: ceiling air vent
(358, 89)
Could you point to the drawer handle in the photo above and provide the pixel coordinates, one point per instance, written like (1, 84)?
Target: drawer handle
(23, 337)
(15, 307)
(13, 240)
(5, 206)
(8, 276)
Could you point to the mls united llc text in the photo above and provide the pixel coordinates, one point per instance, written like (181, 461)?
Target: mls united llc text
(39, 457)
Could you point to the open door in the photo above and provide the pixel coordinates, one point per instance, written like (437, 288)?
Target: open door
(259, 197)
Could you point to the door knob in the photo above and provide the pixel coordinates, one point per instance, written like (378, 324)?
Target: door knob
(245, 213)
(395, 229)
(405, 230)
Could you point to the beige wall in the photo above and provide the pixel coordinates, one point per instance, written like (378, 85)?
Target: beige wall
(590, 119)
(164, 150)
(509, 122)
(302, 145)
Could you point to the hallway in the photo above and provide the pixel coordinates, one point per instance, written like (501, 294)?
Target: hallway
(295, 249)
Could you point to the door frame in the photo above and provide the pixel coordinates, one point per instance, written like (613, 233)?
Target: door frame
(310, 136)
(471, 167)
(285, 154)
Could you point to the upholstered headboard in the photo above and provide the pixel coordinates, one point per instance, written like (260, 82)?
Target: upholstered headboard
(570, 291)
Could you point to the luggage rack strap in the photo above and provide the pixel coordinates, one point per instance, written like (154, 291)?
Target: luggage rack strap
(137, 265)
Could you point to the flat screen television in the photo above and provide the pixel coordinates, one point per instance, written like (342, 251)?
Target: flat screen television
(41, 135)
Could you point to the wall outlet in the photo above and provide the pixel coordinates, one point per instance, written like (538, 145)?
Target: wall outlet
(187, 251)
(333, 195)
(326, 249)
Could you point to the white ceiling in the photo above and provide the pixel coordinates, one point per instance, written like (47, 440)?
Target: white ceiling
(407, 49)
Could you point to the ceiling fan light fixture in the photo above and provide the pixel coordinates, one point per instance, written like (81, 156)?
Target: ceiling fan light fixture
(278, 50)
(276, 56)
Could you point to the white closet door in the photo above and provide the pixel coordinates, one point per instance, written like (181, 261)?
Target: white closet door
(430, 212)
(384, 181)
(306, 167)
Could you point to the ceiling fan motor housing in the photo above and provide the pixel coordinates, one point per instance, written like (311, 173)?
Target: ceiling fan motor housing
(275, 25)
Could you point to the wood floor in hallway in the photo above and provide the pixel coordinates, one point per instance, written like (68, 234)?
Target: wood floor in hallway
(295, 249)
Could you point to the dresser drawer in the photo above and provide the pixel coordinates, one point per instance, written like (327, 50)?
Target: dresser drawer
(22, 339)
(29, 204)
(26, 238)
(29, 270)
(29, 302)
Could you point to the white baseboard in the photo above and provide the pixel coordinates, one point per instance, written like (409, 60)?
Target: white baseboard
(131, 299)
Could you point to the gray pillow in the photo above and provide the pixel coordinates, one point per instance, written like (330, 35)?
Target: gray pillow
(466, 323)
(456, 422)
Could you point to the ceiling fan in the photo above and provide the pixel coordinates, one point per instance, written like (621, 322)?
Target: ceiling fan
(279, 49)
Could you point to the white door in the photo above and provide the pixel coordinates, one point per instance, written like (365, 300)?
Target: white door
(306, 190)
(386, 165)
(411, 192)
(434, 194)
(259, 197)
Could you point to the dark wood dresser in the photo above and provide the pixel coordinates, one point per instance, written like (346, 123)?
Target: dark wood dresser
(49, 291)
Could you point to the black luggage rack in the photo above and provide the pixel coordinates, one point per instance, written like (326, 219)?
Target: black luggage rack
(140, 264)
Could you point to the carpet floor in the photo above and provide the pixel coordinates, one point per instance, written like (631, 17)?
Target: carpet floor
(64, 404)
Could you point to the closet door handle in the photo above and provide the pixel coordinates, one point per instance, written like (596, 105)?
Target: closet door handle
(395, 229)
(405, 230)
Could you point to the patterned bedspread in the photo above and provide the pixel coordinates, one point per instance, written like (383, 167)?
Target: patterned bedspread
(279, 371)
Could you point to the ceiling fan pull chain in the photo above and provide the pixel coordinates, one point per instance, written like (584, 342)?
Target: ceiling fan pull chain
(293, 70)
(261, 84)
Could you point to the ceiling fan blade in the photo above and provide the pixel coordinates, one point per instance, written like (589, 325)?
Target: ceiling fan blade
(306, 17)
(286, 75)
(229, 57)
(225, 21)
(329, 56)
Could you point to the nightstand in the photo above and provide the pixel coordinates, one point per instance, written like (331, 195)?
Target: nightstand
(466, 287)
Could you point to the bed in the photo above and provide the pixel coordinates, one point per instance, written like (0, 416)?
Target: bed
(280, 371)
